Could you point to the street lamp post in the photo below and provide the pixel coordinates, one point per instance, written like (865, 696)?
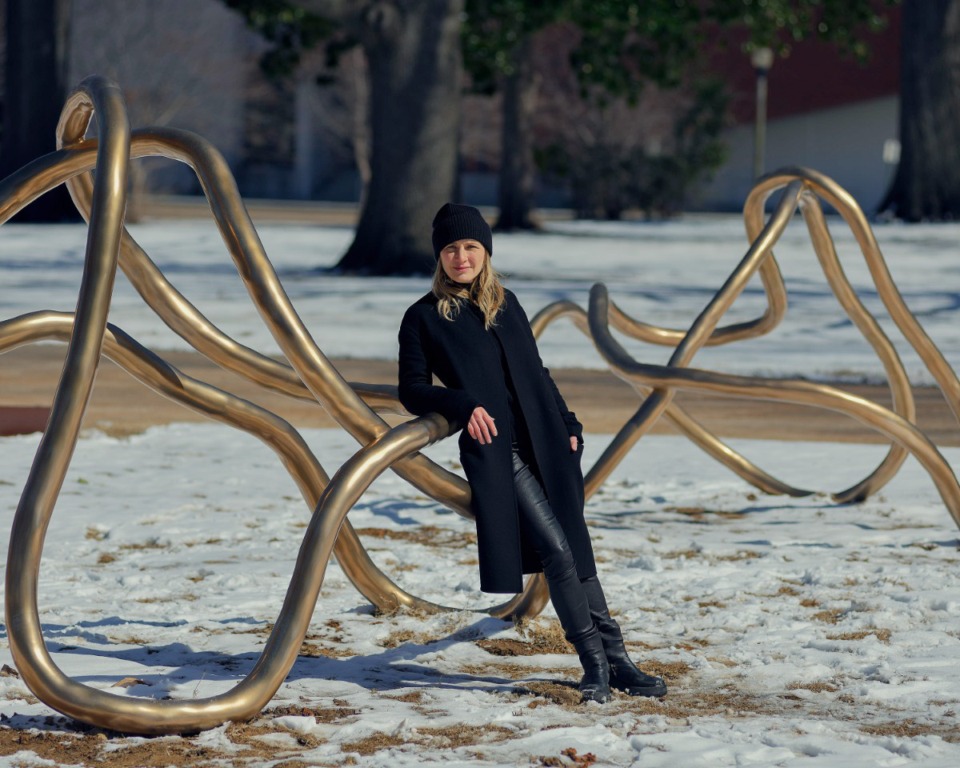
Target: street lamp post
(762, 60)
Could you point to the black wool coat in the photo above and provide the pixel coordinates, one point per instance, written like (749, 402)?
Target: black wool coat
(467, 359)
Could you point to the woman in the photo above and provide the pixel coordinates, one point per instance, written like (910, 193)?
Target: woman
(520, 449)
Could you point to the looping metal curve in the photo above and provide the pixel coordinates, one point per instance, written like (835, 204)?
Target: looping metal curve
(309, 374)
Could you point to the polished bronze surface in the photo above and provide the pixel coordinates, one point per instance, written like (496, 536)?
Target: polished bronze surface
(308, 374)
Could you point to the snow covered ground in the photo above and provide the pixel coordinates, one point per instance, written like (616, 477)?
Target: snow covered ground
(661, 273)
(793, 632)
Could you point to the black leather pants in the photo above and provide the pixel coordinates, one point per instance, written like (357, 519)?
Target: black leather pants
(580, 605)
(541, 527)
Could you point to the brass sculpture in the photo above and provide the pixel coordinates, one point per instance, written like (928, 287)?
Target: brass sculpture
(355, 407)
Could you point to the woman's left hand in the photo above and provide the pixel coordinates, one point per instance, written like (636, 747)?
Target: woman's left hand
(573, 443)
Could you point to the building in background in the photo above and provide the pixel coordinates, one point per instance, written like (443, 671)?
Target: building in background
(824, 111)
(193, 64)
(179, 63)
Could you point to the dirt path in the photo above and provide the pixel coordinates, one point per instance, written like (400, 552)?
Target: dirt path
(121, 405)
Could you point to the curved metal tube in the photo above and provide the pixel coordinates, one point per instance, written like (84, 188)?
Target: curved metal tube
(56, 446)
(310, 375)
(904, 319)
(686, 424)
(261, 281)
(902, 394)
(275, 432)
(247, 698)
(865, 411)
(603, 311)
(660, 398)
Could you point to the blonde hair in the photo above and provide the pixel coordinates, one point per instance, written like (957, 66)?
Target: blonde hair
(486, 292)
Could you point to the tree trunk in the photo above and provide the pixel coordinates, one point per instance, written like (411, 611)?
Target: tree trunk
(516, 160)
(927, 182)
(413, 53)
(36, 72)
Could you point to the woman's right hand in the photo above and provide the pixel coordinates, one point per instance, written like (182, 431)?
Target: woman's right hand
(481, 427)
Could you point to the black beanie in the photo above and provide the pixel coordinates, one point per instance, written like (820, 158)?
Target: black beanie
(460, 222)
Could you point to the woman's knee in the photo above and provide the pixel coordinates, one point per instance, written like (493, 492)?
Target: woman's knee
(558, 562)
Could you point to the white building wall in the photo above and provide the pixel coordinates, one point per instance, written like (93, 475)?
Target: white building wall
(179, 63)
(845, 143)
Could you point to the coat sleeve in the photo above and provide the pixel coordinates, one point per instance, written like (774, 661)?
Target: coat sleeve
(418, 394)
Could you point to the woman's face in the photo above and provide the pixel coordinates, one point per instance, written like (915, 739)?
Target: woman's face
(463, 260)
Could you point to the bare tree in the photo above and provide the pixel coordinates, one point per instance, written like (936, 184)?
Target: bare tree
(609, 155)
(412, 52)
(37, 35)
(927, 182)
(340, 110)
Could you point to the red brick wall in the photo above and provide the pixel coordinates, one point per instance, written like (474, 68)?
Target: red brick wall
(814, 76)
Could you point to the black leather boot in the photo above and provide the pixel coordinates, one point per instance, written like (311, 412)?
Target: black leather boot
(546, 535)
(624, 674)
(595, 684)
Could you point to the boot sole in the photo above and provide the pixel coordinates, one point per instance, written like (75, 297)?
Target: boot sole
(585, 698)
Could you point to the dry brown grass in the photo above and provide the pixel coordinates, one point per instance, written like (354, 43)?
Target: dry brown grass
(401, 636)
(568, 757)
(883, 635)
(426, 535)
(152, 543)
(563, 694)
(68, 744)
(314, 650)
(687, 554)
(449, 625)
(91, 748)
(831, 616)
(691, 554)
(711, 604)
(539, 636)
(723, 661)
(410, 697)
(819, 686)
(448, 737)
(319, 714)
(700, 514)
(691, 644)
(910, 728)
(744, 554)
(506, 670)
